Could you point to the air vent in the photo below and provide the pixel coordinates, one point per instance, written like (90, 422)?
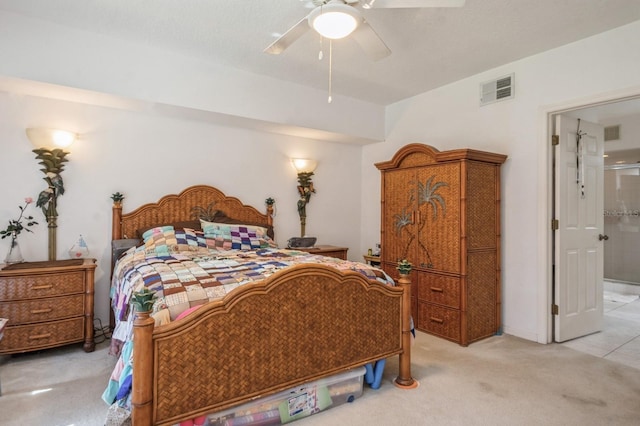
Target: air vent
(497, 90)
(612, 133)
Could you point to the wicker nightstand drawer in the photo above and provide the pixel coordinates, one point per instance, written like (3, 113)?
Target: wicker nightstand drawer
(24, 338)
(330, 251)
(37, 310)
(33, 286)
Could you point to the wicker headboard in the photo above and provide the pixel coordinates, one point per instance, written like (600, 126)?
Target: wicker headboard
(179, 208)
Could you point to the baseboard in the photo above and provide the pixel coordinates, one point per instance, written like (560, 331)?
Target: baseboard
(523, 334)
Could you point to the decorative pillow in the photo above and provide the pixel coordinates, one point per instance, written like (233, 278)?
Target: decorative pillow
(221, 217)
(159, 239)
(167, 239)
(189, 224)
(224, 236)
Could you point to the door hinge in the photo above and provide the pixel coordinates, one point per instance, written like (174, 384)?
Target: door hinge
(555, 224)
(554, 309)
(555, 140)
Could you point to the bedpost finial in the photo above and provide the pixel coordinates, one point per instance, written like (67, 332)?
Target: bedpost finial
(404, 267)
(271, 208)
(117, 198)
(143, 300)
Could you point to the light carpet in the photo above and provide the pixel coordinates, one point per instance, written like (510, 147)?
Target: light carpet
(502, 380)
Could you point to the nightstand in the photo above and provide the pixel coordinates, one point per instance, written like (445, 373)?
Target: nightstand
(331, 251)
(48, 304)
(372, 260)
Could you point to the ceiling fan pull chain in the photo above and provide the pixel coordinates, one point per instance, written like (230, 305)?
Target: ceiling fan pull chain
(320, 54)
(330, 68)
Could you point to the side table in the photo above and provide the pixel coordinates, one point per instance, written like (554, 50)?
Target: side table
(372, 260)
(48, 304)
(325, 250)
(3, 323)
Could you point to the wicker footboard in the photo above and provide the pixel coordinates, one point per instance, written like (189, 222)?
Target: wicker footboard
(301, 324)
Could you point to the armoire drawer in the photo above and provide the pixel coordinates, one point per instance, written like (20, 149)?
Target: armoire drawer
(39, 310)
(439, 320)
(440, 289)
(35, 285)
(23, 338)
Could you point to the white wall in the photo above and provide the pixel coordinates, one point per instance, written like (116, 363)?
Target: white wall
(145, 155)
(450, 117)
(40, 51)
(629, 134)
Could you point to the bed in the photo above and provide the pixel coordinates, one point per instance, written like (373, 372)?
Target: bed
(293, 326)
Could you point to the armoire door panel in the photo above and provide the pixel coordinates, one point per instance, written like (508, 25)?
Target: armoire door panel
(483, 298)
(399, 239)
(481, 205)
(438, 204)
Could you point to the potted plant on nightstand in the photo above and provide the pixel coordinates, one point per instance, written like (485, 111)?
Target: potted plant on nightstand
(14, 229)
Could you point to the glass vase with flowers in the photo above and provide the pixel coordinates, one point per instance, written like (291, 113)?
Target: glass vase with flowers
(16, 226)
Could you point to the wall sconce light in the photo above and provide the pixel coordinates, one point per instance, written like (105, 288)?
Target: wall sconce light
(51, 138)
(305, 169)
(49, 149)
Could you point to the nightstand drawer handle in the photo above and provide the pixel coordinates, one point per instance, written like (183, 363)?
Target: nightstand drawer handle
(40, 336)
(42, 287)
(437, 289)
(41, 311)
(438, 320)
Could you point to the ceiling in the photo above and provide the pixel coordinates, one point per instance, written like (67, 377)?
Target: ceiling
(430, 47)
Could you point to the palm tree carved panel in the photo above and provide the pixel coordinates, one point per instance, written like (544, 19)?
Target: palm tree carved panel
(425, 217)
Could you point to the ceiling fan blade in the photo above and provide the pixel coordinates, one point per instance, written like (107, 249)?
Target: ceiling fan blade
(288, 38)
(398, 4)
(370, 42)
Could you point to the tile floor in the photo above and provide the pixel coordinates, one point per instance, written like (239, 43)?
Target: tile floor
(619, 339)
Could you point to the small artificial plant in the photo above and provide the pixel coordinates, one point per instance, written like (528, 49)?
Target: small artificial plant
(209, 213)
(143, 300)
(404, 267)
(117, 197)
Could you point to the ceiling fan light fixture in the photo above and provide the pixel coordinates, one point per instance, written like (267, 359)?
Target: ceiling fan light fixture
(334, 20)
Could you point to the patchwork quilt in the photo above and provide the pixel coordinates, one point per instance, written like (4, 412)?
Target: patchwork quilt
(188, 278)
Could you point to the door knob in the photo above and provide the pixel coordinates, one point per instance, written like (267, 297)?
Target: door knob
(603, 237)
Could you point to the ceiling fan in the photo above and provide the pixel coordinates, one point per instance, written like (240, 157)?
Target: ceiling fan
(335, 19)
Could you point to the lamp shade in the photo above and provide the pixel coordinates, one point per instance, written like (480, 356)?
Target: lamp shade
(334, 20)
(50, 138)
(303, 165)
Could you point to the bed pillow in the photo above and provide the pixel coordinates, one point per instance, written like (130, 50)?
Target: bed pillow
(164, 240)
(188, 224)
(223, 236)
(221, 217)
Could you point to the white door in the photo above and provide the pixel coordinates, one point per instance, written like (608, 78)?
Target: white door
(579, 205)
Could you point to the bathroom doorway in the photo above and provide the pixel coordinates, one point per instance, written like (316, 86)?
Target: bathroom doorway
(621, 121)
(621, 287)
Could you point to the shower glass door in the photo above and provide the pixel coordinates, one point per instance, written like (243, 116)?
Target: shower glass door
(622, 223)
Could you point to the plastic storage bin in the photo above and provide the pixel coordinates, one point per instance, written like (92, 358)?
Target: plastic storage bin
(296, 403)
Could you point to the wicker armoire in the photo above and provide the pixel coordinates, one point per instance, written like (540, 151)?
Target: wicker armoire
(441, 212)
